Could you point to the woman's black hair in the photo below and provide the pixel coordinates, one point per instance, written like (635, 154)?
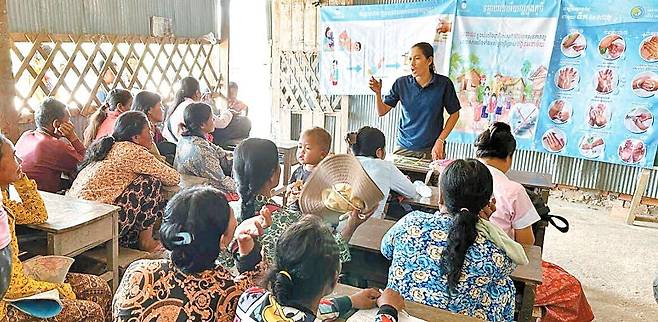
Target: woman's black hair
(254, 162)
(145, 101)
(306, 261)
(466, 186)
(428, 52)
(202, 212)
(496, 142)
(114, 98)
(189, 86)
(366, 141)
(194, 117)
(128, 125)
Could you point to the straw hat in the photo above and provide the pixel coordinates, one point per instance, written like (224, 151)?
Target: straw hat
(338, 185)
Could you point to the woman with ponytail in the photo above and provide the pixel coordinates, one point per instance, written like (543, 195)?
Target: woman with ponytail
(304, 270)
(444, 260)
(197, 156)
(423, 96)
(198, 224)
(257, 172)
(368, 145)
(102, 121)
(561, 296)
(119, 170)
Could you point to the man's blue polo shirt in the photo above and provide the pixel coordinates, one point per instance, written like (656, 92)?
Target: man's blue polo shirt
(422, 109)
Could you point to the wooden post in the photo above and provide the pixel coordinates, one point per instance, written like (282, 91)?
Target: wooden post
(224, 46)
(642, 183)
(8, 113)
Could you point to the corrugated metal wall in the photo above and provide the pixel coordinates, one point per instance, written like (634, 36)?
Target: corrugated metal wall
(191, 18)
(568, 171)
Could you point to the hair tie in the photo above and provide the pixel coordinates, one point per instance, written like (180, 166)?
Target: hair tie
(464, 209)
(112, 138)
(184, 238)
(286, 274)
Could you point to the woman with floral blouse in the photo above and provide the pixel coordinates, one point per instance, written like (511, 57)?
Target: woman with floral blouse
(442, 260)
(119, 170)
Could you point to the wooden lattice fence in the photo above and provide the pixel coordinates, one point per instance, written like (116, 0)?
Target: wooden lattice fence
(75, 68)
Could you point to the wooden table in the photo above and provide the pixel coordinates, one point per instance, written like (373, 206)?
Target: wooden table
(288, 152)
(75, 226)
(532, 180)
(418, 310)
(369, 264)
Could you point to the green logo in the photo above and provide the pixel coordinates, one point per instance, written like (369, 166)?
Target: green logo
(637, 12)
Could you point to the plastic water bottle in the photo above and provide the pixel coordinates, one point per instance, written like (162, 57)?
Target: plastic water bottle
(422, 189)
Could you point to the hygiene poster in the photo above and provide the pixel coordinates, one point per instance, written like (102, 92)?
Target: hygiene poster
(499, 63)
(357, 42)
(602, 89)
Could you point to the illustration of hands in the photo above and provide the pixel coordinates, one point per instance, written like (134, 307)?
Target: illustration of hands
(567, 78)
(604, 81)
(645, 82)
(554, 142)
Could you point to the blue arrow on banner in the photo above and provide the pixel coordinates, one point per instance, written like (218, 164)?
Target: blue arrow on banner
(396, 65)
(357, 68)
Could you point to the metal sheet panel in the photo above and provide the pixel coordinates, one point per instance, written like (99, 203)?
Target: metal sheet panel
(191, 18)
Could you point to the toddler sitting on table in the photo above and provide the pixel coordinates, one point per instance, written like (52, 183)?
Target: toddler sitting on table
(314, 146)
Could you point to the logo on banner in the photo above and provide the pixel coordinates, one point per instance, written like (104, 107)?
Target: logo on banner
(637, 12)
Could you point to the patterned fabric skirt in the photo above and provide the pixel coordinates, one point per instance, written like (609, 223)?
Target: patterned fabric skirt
(142, 203)
(562, 296)
(92, 303)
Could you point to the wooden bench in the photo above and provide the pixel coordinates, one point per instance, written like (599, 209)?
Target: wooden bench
(126, 257)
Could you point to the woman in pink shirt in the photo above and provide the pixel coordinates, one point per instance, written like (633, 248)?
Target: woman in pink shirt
(101, 123)
(561, 296)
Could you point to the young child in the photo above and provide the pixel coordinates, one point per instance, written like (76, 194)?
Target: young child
(314, 146)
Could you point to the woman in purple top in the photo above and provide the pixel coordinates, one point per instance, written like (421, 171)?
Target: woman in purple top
(423, 96)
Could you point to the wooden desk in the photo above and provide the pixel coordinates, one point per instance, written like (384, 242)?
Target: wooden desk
(418, 310)
(542, 181)
(75, 226)
(369, 264)
(288, 152)
(425, 202)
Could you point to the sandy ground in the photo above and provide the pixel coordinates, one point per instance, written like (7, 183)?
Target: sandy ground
(616, 263)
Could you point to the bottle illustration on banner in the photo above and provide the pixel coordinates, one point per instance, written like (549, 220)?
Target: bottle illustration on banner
(334, 73)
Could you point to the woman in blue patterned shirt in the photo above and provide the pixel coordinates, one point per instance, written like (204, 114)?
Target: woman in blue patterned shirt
(441, 259)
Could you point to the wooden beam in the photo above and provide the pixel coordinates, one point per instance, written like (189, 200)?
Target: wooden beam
(8, 113)
(224, 46)
(642, 183)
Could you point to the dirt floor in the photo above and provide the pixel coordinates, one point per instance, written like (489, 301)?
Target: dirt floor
(616, 263)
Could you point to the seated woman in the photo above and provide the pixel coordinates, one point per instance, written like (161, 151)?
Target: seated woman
(257, 171)
(45, 155)
(368, 146)
(442, 260)
(305, 269)
(119, 170)
(197, 156)
(227, 126)
(84, 297)
(198, 223)
(102, 121)
(560, 295)
(150, 103)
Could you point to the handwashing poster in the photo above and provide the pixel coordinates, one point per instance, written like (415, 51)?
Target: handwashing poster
(357, 42)
(602, 84)
(499, 63)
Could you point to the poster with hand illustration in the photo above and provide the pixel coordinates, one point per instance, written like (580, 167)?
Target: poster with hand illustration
(499, 62)
(600, 99)
(357, 42)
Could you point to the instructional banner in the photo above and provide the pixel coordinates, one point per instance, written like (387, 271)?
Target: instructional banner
(499, 63)
(357, 42)
(601, 99)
